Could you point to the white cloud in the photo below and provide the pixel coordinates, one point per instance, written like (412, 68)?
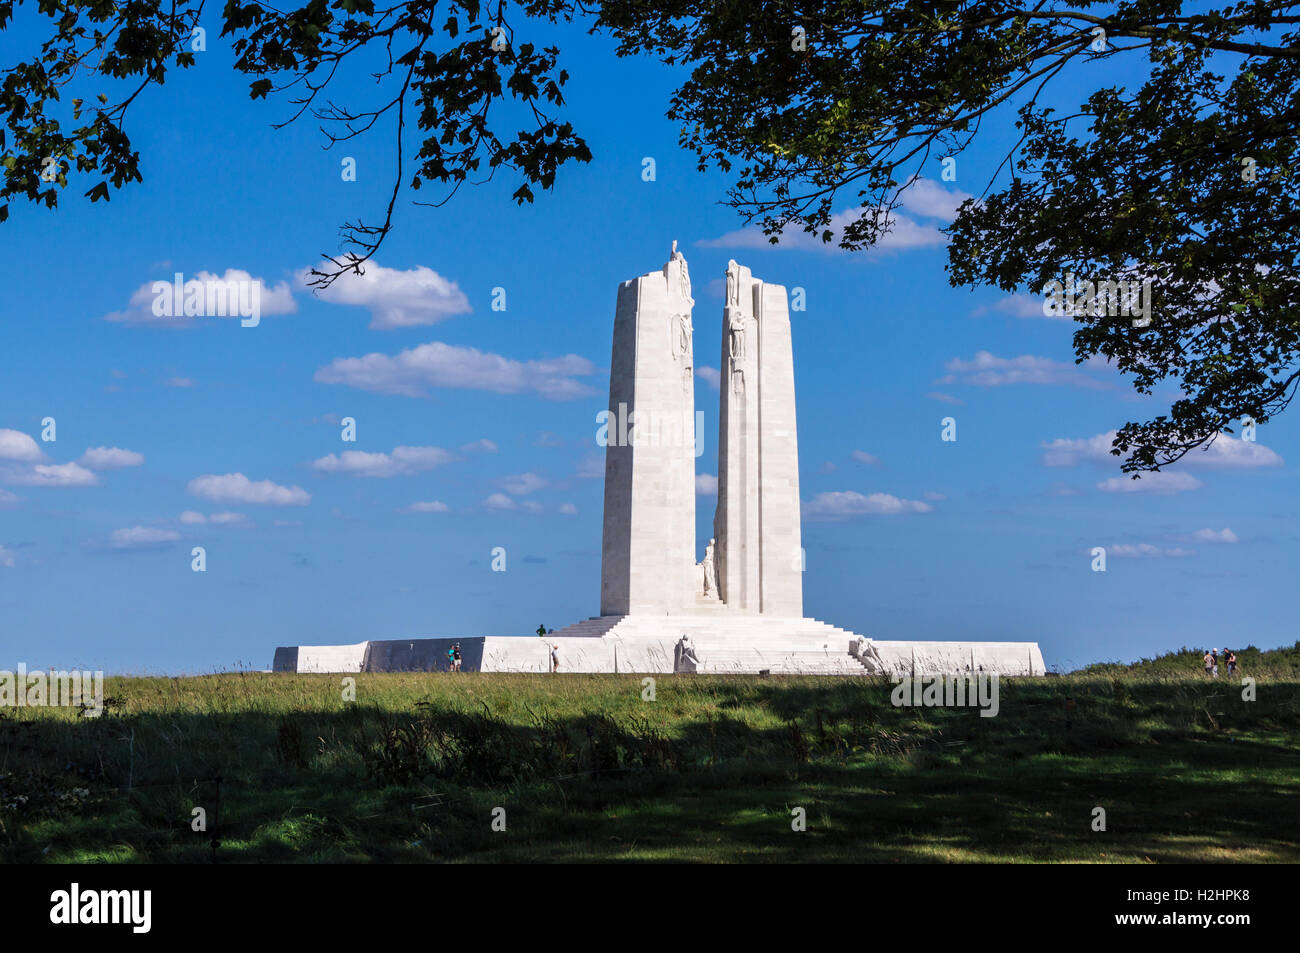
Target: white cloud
(403, 461)
(863, 457)
(229, 288)
(178, 382)
(7, 557)
(706, 484)
(522, 484)
(1020, 306)
(229, 519)
(480, 446)
(846, 503)
(1126, 550)
(1163, 482)
(1224, 535)
(904, 233)
(110, 458)
(924, 198)
(237, 488)
(1068, 453)
(945, 398)
(16, 445)
(933, 497)
(989, 370)
(63, 474)
(1227, 452)
(499, 501)
(142, 537)
(432, 506)
(191, 518)
(8, 499)
(395, 298)
(568, 509)
(412, 372)
(591, 467)
(710, 375)
(928, 199)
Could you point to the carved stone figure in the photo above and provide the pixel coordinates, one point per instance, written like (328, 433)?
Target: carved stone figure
(736, 330)
(709, 566)
(684, 657)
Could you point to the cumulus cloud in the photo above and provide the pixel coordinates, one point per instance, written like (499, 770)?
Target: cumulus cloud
(989, 370)
(499, 501)
(142, 537)
(1227, 452)
(846, 503)
(237, 488)
(1224, 535)
(522, 484)
(928, 199)
(8, 558)
(1020, 306)
(706, 484)
(568, 509)
(53, 475)
(904, 233)
(432, 506)
(16, 445)
(403, 461)
(191, 518)
(1163, 482)
(480, 446)
(710, 375)
(945, 398)
(411, 373)
(110, 458)
(863, 457)
(923, 198)
(214, 293)
(8, 499)
(395, 298)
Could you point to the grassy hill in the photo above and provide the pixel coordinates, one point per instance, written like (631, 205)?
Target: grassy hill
(713, 769)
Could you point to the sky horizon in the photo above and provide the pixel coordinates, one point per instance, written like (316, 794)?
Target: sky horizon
(476, 427)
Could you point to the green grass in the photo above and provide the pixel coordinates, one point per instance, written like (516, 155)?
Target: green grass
(1186, 770)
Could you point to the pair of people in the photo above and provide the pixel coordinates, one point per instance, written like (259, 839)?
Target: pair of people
(453, 658)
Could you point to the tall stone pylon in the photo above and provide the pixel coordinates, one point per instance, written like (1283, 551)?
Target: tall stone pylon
(648, 542)
(758, 554)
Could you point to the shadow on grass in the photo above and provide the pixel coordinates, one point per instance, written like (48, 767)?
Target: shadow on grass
(716, 769)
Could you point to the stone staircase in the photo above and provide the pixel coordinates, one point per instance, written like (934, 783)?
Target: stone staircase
(724, 642)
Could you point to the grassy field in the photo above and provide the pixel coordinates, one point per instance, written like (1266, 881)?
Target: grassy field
(711, 770)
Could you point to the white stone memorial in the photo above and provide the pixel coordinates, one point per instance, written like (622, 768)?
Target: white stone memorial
(740, 609)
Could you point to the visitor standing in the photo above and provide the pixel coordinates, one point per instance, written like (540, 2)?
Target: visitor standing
(1230, 657)
(555, 658)
(455, 657)
(1209, 663)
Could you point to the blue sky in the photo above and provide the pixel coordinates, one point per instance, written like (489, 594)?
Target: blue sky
(907, 536)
